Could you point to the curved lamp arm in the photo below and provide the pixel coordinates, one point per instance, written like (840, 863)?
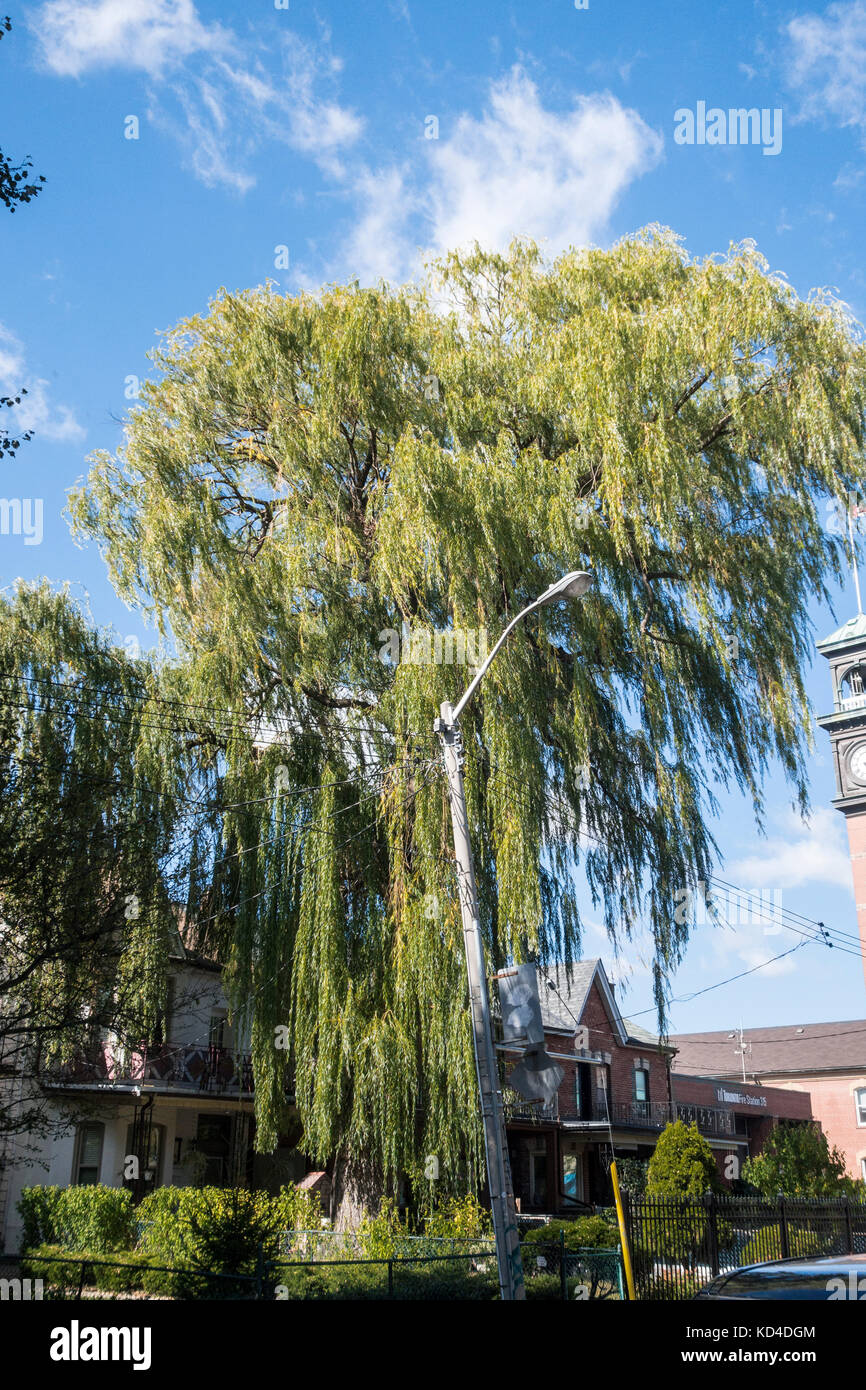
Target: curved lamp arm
(573, 585)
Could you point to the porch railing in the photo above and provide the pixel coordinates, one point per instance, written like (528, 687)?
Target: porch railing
(631, 1114)
(181, 1066)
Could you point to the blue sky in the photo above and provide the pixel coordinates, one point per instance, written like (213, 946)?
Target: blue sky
(308, 127)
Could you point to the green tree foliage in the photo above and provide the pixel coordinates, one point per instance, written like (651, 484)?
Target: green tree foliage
(95, 782)
(682, 1164)
(798, 1161)
(307, 476)
(766, 1243)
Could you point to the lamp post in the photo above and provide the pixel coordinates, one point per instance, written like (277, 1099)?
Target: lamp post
(511, 1285)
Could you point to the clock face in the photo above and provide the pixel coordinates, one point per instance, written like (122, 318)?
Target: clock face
(857, 764)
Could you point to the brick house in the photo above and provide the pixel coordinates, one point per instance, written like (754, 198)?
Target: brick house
(560, 1154)
(825, 1060)
(735, 1117)
(629, 1084)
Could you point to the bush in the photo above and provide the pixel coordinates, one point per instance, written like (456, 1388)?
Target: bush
(381, 1236)
(458, 1218)
(682, 1164)
(766, 1244)
(93, 1218)
(119, 1272)
(221, 1229)
(632, 1174)
(45, 1262)
(584, 1233)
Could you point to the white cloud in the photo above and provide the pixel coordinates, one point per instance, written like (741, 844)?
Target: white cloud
(219, 96)
(152, 35)
(519, 169)
(827, 63)
(806, 852)
(36, 412)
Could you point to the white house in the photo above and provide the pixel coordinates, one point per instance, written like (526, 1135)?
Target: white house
(153, 1114)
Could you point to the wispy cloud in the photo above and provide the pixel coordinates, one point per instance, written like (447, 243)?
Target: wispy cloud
(151, 35)
(36, 412)
(518, 169)
(813, 851)
(827, 63)
(220, 96)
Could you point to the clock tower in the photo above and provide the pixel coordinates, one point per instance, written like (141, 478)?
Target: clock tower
(846, 652)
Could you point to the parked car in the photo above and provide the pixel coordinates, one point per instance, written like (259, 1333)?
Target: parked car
(825, 1279)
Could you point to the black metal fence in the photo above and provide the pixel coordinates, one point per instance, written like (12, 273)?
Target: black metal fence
(679, 1244)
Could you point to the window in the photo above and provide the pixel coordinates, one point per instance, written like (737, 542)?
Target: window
(860, 1105)
(88, 1154)
(641, 1085)
(863, 1169)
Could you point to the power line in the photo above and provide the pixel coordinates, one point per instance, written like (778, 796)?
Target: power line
(842, 944)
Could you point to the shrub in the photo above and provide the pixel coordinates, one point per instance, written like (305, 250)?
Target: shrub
(632, 1174)
(766, 1244)
(458, 1218)
(93, 1218)
(45, 1262)
(584, 1233)
(380, 1236)
(221, 1229)
(682, 1164)
(298, 1209)
(37, 1207)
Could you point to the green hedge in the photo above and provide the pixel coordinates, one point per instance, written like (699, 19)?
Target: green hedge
(767, 1244)
(583, 1233)
(92, 1218)
(221, 1229)
(123, 1271)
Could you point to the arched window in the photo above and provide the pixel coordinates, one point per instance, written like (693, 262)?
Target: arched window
(852, 688)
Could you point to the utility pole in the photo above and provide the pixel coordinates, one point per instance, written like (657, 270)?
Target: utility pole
(571, 586)
(509, 1261)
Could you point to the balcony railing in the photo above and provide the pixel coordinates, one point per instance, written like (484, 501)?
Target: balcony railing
(855, 701)
(172, 1066)
(631, 1114)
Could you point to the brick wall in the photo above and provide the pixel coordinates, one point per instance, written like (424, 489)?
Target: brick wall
(832, 1100)
(856, 821)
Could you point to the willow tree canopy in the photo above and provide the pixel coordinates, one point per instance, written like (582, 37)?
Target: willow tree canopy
(307, 476)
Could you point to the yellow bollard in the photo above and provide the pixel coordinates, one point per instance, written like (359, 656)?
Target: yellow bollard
(623, 1234)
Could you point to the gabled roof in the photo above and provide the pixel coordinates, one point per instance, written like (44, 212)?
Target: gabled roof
(794, 1049)
(562, 1009)
(852, 631)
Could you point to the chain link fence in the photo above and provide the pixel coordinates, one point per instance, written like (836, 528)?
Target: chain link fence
(552, 1272)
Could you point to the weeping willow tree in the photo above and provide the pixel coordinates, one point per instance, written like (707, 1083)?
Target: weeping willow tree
(95, 783)
(314, 486)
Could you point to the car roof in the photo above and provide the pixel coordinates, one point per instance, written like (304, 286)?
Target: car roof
(803, 1263)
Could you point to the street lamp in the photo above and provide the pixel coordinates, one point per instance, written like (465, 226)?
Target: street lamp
(511, 1285)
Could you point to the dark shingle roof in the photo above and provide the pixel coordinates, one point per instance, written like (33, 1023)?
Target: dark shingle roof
(563, 1009)
(794, 1048)
(557, 1012)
